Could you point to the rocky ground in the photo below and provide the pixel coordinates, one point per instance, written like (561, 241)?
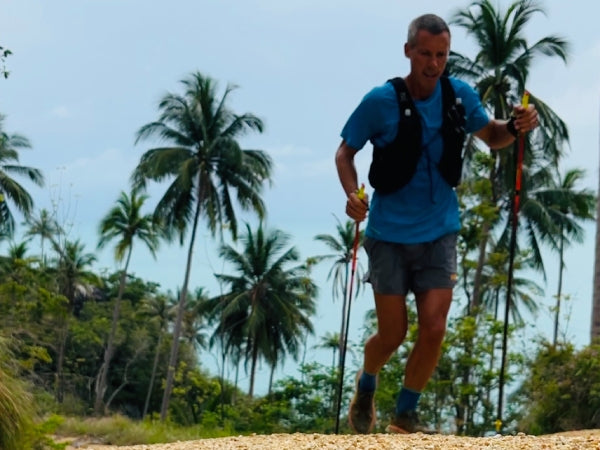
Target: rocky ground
(575, 440)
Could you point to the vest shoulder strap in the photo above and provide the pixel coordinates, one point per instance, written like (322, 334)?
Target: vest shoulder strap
(448, 96)
(405, 101)
(453, 133)
(452, 107)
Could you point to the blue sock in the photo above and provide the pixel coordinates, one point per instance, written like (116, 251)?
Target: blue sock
(407, 400)
(367, 382)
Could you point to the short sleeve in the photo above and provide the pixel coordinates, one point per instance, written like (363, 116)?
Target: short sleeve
(476, 115)
(369, 119)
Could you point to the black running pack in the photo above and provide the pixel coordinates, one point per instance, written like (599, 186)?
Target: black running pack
(394, 165)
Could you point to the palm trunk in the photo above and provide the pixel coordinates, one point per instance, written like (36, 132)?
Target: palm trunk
(253, 369)
(62, 344)
(237, 381)
(335, 349)
(271, 376)
(178, 321)
(153, 375)
(304, 350)
(481, 261)
(463, 410)
(595, 326)
(125, 380)
(485, 237)
(66, 289)
(222, 395)
(559, 292)
(110, 345)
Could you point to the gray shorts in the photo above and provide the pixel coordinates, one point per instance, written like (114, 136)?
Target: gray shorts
(399, 268)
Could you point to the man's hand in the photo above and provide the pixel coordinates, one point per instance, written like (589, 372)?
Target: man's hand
(526, 118)
(357, 205)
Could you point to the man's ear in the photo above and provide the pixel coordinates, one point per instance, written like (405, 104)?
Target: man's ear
(406, 49)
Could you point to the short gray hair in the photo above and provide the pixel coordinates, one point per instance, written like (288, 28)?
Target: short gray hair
(428, 22)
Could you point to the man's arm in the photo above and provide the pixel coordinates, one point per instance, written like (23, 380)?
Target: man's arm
(356, 208)
(496, 134)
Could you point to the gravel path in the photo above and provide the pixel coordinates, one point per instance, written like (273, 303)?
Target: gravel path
(587, 439)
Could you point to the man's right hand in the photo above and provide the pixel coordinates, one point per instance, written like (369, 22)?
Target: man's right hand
(357, 208)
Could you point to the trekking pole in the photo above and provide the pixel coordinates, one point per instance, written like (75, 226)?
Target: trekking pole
(360, 194)
(520, 150)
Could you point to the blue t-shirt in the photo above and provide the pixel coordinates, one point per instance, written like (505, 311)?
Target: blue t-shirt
(427, 207)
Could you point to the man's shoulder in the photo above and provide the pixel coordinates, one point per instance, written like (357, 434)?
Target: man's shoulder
(461, 86)
(382, 91)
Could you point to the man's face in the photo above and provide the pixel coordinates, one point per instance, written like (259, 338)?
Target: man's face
(428, 57)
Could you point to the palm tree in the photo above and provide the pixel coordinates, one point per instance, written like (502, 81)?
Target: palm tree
(194, 325)
(125, 223)
(267, 310)
(9, 188)
(342, 246)
(44, 226)
(524, 290)
(75, 282)
(19, 283)
(16, 260)
(330, 341)
(157, 309)
(552, 211)
(569, 207)
(74, 277)
(206, 165)
(500, 71)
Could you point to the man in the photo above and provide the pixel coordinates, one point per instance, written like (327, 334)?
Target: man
(412, 231)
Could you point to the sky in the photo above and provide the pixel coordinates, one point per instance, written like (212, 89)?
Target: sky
(85, 75)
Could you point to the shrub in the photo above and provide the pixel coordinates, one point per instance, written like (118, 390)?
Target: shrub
(15, 405)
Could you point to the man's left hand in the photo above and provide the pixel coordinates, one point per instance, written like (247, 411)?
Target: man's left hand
(526, 119)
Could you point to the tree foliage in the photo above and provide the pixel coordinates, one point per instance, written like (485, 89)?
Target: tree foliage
(562, 389)
(207, 170)
(64, 328)
(4, 53)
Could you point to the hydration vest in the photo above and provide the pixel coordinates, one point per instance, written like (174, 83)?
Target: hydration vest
(394, 165)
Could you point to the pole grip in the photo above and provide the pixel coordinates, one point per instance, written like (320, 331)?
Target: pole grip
(361, 192)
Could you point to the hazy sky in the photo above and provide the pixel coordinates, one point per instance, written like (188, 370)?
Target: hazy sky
(87, 74)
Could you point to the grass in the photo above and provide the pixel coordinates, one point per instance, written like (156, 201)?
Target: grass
(120, 430)
(15, 412)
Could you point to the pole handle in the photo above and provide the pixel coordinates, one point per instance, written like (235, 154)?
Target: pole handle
(361, 192)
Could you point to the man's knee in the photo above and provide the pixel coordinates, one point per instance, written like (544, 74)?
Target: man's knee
(392, 339)
(433, 332)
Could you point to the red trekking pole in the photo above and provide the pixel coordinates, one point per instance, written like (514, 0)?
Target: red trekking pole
(520, 150)
(360, 194)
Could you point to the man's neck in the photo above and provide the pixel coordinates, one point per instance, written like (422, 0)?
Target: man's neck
(417, 91)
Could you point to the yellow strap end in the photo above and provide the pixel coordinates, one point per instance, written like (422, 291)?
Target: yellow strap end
(361, 192)
(525, 99)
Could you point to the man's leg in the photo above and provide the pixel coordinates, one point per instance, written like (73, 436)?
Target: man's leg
(387, 273)
(432, 309)
(391, 330)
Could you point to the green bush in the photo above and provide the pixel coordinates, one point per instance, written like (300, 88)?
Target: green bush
(562, 392)
(15, 406)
